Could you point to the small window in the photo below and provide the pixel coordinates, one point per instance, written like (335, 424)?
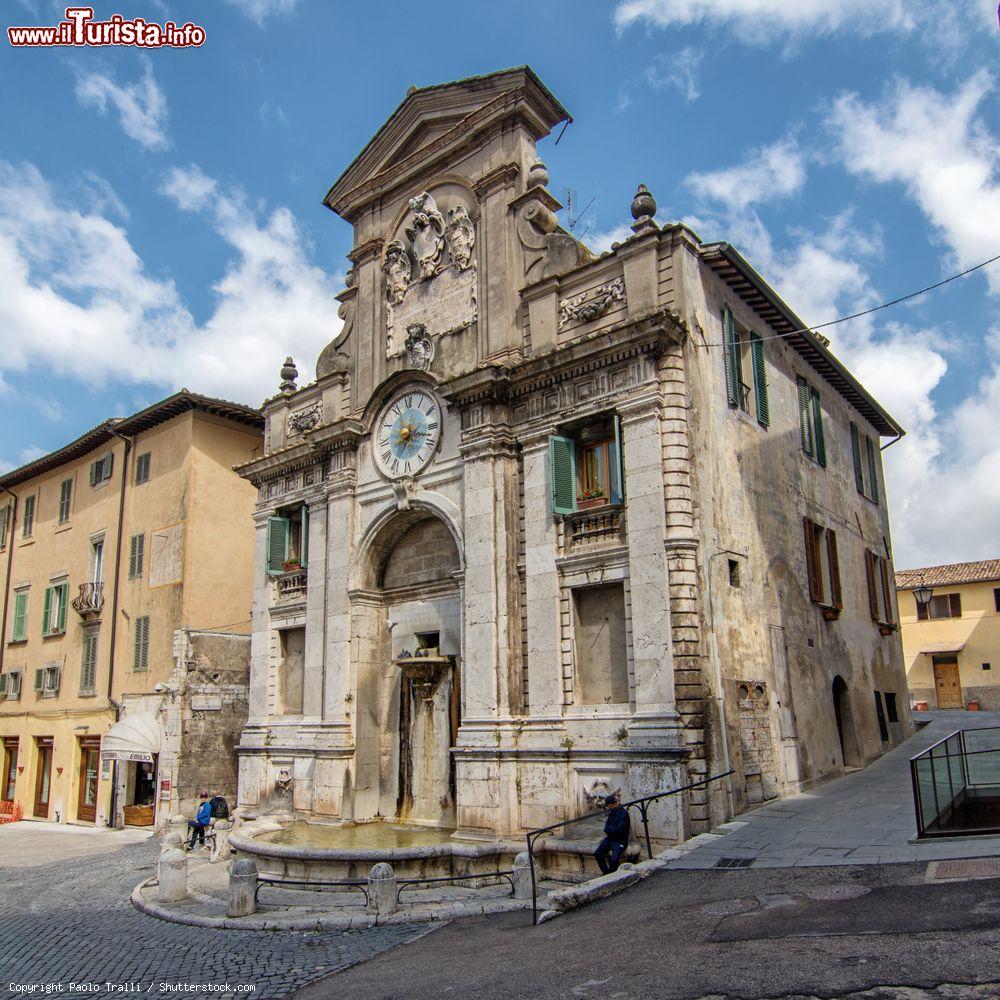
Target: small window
(883, 729)
(288, 541)
(823, 567)
(5, 525)
(996, 597)
(136, 556)
(940, 606)
(100, 470)
(97, 560)
(19, 627)
(47, 680)
(88, 668)
(586, 467)
(65, 500)
(10, 685)
(54, 614)
(140, 656)
(429, 640)
(142, 468)
(744, 353)
(734, 573)
(891, 711)
(879, 594)
(986, 666)
(864, 451)
(811, 422)
(28, 523)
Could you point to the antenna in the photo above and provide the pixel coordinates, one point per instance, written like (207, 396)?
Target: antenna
(573, 218)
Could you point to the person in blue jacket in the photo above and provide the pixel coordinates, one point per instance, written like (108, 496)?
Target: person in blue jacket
(201, 822)
(616, 833)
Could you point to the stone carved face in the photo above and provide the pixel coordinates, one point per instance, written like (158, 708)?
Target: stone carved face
(398, 270)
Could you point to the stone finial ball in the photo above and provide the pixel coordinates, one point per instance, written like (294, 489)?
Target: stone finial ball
(244, 866)
(381, 871)
(538, 174)
(289, 373)
(643, 204)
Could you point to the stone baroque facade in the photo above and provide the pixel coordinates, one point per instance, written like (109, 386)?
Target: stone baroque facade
(488, 576)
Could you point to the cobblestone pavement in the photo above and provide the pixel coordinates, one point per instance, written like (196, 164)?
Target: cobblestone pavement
(71, 921)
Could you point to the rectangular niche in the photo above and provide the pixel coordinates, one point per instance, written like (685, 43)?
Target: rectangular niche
(291, 670)
(600, 645)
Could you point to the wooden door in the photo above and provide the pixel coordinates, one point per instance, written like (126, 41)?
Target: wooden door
(43, 779)
(947, 685)
(9, 777)
(90, 761)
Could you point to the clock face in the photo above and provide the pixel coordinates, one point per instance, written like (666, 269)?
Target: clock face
(407, 433)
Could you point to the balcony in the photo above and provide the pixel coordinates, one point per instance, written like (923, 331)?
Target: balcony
(603, 525)
(90, 600)
(292, 585)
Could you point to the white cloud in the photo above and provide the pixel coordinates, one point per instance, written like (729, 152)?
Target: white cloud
(761, 20)
(773, 171)
(141, 106)
(77, 302)
(934, 144)
(679, 70)
(260, 10)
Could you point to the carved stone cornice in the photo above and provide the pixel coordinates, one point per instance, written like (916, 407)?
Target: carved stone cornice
(363, 252)
(488, 442)
(342, 435)
(499, 177)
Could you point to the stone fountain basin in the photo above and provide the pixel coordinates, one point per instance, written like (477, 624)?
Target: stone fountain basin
(564, 860)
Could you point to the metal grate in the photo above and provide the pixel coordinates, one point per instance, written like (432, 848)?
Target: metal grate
(734, 863)
(968, 868)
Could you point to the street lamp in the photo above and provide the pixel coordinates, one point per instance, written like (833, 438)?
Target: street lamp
(923, 594)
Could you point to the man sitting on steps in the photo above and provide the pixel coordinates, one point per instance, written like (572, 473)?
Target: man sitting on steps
(616, 833)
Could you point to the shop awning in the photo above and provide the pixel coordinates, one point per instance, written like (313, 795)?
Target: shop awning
(943, 647)
(136, 737)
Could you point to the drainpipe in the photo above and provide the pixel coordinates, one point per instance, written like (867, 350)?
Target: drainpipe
(897, 438)
(10, 566)
(113, 817)
(717, 664)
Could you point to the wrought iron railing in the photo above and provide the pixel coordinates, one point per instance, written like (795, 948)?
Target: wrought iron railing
(642, 804)
(956, 784)
(90, 600)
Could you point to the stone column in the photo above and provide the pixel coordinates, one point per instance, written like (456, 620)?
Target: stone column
(369, 645)
(648, 575)
(172, 873)
(312, 679)
(260, 643)
(242, 889)
(545, 689)
(490, 657)
(338, 544)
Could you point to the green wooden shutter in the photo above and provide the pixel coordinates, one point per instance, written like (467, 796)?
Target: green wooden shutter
(136, 556)
(617, 463)
(304, 536)
(759, 379)
(859, 475)
(833, 561)
(62, 595)
(19, 632)
(731, 358)
(47, 610)
(872, 470)
(277, 543)
(39, 678)
(93, 473)
(562, 464)
(805, 423)
(817, 412)
(140, 659)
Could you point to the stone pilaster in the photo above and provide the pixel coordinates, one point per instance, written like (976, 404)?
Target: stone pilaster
(338, 547)
(312, 680)
(260, 643)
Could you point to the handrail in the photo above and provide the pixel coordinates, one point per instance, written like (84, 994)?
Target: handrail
(643, 805)
(410, 882)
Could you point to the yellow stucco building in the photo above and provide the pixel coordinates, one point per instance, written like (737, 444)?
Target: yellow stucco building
(951, 644)
(107, 546)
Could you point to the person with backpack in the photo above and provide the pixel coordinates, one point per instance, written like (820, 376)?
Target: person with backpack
(219, 806)
(201, 821)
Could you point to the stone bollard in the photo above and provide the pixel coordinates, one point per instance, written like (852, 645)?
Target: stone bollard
(382, 890)
(242, 888)
(172, 841)
(522, 876)
(173, 874)
(220, 846)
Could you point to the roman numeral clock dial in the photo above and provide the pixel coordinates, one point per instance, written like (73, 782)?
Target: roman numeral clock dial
(407, 434)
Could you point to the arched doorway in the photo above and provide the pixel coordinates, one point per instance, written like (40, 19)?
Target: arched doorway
(844, 715)
(407, 622)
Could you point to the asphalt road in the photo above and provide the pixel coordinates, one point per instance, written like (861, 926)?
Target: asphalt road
(826, 932)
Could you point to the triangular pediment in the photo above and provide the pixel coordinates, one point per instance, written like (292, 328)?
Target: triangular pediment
(432, 121)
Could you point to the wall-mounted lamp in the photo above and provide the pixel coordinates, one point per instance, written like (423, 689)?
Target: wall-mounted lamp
(922, 593)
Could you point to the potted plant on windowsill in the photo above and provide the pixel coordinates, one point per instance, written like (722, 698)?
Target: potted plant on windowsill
(885, 629)
(591, 498)
(831, 614)
(291, 566)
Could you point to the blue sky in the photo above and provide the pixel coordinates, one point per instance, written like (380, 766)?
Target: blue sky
(161, 220)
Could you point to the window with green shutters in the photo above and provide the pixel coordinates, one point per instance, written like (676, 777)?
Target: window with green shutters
(278, 531)
(586, 467)
(732, 356)
(864, 451)
(140, 656)
(28, 521)
(811, 421)
(759, 380)
(100, 470)
(136, 556)
(142, 468)
(88, 668)
(65, 500)
(4, 525)
(872, 470)
(859, 469)
(562, 463)
(54, 613)
(19, 627)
